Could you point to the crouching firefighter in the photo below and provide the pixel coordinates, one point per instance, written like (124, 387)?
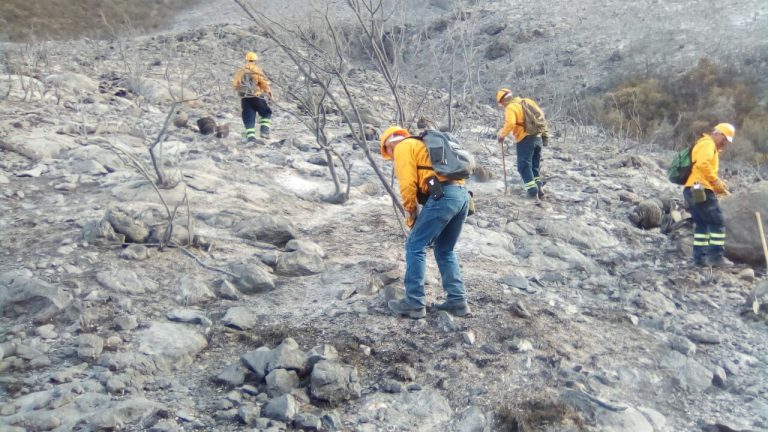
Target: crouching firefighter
(252, 86)
(445, 203)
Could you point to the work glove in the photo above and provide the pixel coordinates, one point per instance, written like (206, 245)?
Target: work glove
(410, 218)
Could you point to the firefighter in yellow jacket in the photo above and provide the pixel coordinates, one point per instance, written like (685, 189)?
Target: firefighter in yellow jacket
(700, 193)
(444, 210)
(252, 86)
(528, 147)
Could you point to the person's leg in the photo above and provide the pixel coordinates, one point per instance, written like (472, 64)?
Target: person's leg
(265, 114)
(525, 149)
(536, 165)
(249, 118)
(434, 216)
(700, 231)
(713, 217)
(445, 255)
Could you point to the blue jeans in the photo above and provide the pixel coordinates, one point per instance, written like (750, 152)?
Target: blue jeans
(528, 162)
(439, 223)
(709, 227)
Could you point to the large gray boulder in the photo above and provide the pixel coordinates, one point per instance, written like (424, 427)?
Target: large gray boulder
(425, 410)
(299, 263)
(334, 382)
(257, 361)
(21, 290)
(281, 408)
(171, 346)
(742, 242)
(288, 356)
(252, 278)
(276, 230)
(37, 146)
(73, 82)
(135, 231)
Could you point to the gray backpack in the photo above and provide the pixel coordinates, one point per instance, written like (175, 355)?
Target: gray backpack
(448, 157)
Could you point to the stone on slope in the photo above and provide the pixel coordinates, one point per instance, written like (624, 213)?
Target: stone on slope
(189, 316)
(628, 420)
(134, 252)
(289, 356)
(276, 230)
(123, 223)
(687, 373)
(193, 292)
(424, 411)
(322, 352)
(120, 414)
(21, 290)
(160, 91)
(257, 361)
(305, 246)
(743, 241)
(299, 263)
(123, 281)
(240, 318)
(281, 408)
(21, 87)
(100, 232)
(171, 346)
(252, 278)
(89, 347)
(37, 146)
(471, 419)
(334, 382)
(281, 381)
(73, 82)
(233, 375)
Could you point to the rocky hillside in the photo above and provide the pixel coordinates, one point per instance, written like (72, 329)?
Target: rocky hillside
(268, 309)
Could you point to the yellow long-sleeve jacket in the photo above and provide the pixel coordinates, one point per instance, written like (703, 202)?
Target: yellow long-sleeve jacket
(705, 158)
(514, 118)
(250, 81)
(412, 168)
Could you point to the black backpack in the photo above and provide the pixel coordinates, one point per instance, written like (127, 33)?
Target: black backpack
(449, 159)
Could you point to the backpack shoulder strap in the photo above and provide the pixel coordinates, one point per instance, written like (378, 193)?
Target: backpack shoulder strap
(420, 137)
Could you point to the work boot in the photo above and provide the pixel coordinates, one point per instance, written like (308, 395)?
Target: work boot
(459, 309)
(402, 307)
(698, 263)
(721, 262)
(251, 139)
(264, 131)
(540, 186)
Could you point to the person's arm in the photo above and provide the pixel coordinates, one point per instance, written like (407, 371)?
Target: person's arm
(701, 157)
(238, 78)
(510, 120)
(406, 171)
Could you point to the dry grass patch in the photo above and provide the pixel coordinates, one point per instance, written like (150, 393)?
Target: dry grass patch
(36, 20)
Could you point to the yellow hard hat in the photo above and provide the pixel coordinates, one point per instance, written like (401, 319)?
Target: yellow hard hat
(501, 94)
(392, 130)
(727, 130)
(251, 56)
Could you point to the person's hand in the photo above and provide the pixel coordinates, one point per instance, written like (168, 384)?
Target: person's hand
(410, 218)
(720, 187)
(500, 140)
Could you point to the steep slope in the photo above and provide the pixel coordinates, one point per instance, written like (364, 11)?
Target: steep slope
(582, 321)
